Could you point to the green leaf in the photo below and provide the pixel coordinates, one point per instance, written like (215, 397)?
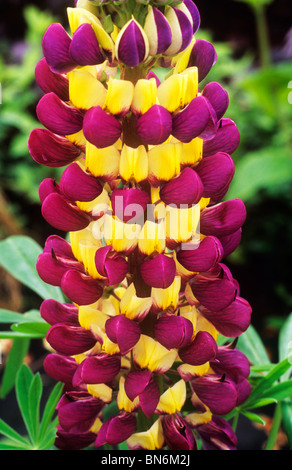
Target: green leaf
(252, 346)
(50, 408)
(23, 382)
(15, 359)
(18, 255)
(280, 391)
(33, 329)
(266, 383)
(285, 344)
(7, 316)
(253, 417)
(7, 431)
(259, 402)
(34, 398)
(287, 420)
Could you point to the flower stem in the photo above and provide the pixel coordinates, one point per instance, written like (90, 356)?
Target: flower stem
(275, 428)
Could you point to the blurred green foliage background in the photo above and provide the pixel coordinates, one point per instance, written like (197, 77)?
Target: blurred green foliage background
(253, 40)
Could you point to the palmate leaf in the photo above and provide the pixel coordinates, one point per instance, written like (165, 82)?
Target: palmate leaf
(15, 359)
(41, 433)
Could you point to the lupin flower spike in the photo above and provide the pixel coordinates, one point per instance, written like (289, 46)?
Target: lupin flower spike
(148, 162)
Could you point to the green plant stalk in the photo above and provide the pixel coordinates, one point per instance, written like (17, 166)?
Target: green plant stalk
(275, 428)
(263, 35)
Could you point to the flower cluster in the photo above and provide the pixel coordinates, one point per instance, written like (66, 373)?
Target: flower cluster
(148, 163)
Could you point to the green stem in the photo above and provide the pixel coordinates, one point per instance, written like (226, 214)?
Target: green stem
(275, 428)
(263, 35)
(235, 421)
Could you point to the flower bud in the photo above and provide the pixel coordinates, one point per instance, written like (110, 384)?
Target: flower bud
(173, 331)
(158, 271)
(155, 126)
(186, 188)
(101, 129)
(158, 31)
(84, 48)
(123, 331)
(132, 44)
(56, 45)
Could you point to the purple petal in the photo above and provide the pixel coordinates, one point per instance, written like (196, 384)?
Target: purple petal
(149, 398)
(70, 340)
(129, 203)
(177, 433)
(50, 149)
(78, 415)
(213, 293)
(60, 368)
(202, 349)
(216, 173)
(131, 48)
(186, 188)
(158, 271)
(63, 215)
(231, 321)
(111, 265)
(80, 288)
(217, 393)
(135, 383)
(56, 44)
(57, 116)
(218, 98)
(243, 391)
(231, 242)
(123, 331)
(223, 218)
(232, 362)
(116, 429)
(192, 120)
(100, 369)
(158, 32)
(48, 186)
(194, 13)
(155, 126)
(173, 331)
(51, 268)
(73, 441)
(203, 257)
(203, 56)
(101, 129)
(49, 81)
(78, 185)
(59, 245)
(84, 48)
(150, 75)
(217, 435)
(226, 140)
(54, 312)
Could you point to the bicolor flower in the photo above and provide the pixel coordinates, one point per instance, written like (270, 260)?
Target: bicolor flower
(147, 162)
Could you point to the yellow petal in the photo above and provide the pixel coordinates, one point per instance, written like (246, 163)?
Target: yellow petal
(150, 354)
(188, 372)
(181, 60)
(88, 316)
(167, 298)
(85, 91)
(98, 206)
(145, 95)
(134, 307)
(102, 391)
(192, 152)
(182, 223)
(122, 236)
(134, 163)
(96, 426)
(178, 90)
(123, 402)
(164, 162)
(152, 237)
(103, 162)
(84, 236)
(173, 399)
(79, 16)
(119, 96)
(87, 252)
(204, 325)
(195, 419)
(77, 139)
(151, 440)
